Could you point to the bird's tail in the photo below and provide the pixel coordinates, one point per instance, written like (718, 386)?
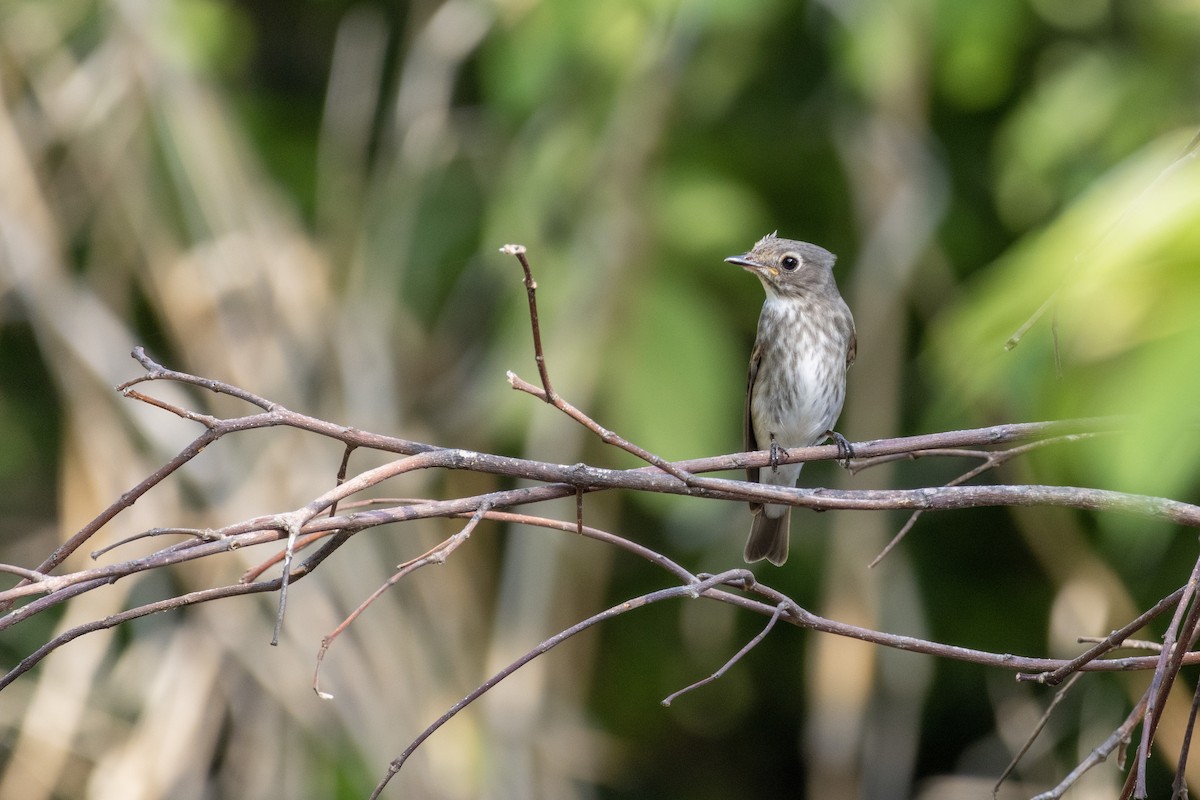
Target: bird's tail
(769, 537)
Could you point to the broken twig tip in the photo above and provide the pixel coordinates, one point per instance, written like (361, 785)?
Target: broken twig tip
(513, 249)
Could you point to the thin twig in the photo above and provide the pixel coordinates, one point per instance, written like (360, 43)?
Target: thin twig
(750, 645)
(579, 509)
(293, 523)
(862, 464)
(195, 533)
(1113, 640)
(30, 575)
(1117, 738)
(1023, 329)
(204, 595)
(157, 372)
(547, 393)
(1179, 789)
(1037, 729)
(436, 555)
(293, 532)
(991, 460)
(126, 500)
(1128, 644)
(1179, 631)
(539, 355)
(191, 598)
(343, 469)
(607, 436)
(734, 577)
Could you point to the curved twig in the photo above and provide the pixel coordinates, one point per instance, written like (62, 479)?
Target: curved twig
(436, 555)
(750, 645)
(735, 577)
(547, 392)
(991, 460)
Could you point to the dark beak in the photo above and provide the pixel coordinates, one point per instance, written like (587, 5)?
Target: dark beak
(745, 262)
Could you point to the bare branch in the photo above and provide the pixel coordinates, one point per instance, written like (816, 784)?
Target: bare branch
(750, 645)
(539, 354)
(734, 577)
(319, 521)
(31, 575)
(436, 555)
(991, 460)
(1119, 737)
(1181, 631)
(1179, 784)
(607, 436)
(547, 392)
(157, 372)
(1037, 729)
(1115, 639)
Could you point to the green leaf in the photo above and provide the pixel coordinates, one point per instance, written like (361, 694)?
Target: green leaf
(1120, 265)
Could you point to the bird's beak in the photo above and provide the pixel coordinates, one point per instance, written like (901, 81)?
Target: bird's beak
(750, 265)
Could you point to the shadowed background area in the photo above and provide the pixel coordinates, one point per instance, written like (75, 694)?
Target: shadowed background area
(307, 199)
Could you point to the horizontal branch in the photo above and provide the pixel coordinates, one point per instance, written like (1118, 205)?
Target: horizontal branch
(564, 480)
(1007, 661)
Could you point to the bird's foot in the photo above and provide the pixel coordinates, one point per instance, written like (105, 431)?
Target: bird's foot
(845, 451)
(777, 453)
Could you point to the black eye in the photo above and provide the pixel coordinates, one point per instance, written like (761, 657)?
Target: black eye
(790, 262)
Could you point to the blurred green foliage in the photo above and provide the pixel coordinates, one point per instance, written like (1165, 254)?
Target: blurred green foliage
(968, 161)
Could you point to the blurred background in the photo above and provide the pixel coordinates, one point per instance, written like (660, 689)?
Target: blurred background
(306, 200)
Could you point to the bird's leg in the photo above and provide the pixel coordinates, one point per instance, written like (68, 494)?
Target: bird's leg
(777, 452)
(845, 451)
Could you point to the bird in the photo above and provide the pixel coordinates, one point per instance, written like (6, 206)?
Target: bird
(796, 385)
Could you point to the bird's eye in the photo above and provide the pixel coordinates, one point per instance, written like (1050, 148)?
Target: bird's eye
(790, 262)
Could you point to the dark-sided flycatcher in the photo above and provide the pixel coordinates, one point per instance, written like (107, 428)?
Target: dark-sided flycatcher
(797, 384)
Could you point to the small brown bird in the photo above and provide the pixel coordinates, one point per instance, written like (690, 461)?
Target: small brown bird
(797, 383)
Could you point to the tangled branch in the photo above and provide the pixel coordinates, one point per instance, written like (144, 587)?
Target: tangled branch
(319, 524)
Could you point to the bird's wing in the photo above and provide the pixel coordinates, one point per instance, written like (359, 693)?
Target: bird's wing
(748, 431)
(852, 351)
